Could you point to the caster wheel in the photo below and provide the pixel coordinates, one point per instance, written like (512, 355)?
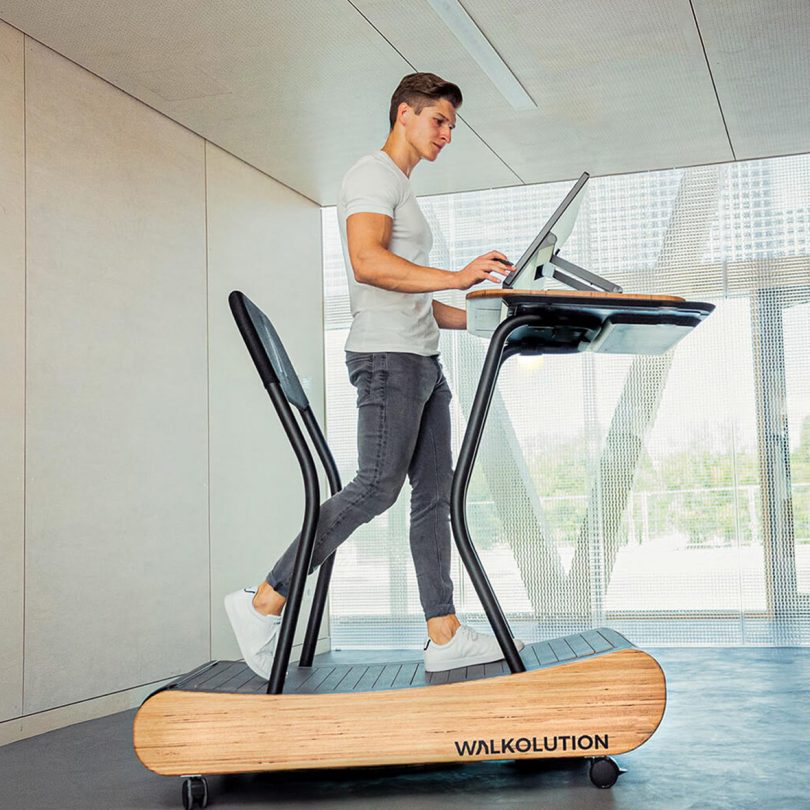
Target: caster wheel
(605, 771)
(195, 792)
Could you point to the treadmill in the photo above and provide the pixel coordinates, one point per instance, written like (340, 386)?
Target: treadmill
(591, 694)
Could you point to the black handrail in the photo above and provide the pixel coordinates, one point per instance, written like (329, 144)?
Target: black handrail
(325, 573)
(303, 555)
(278, 395)
(279, 392)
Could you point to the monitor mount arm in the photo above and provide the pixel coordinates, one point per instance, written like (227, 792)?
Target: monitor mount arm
(570, 274)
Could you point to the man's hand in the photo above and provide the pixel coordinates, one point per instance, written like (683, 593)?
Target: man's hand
(492, 266)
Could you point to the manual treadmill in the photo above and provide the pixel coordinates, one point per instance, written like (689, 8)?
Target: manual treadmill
(591, 694)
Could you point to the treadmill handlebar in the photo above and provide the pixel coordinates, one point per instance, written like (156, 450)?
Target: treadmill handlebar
(306, 545)
(282, 385)
(281, 369)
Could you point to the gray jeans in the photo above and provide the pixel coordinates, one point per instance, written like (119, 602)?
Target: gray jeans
(403, 428)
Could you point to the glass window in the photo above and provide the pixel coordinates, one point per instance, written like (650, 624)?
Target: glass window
(666, 496)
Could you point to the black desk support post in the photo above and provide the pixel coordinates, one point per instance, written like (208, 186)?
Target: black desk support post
(464, 467)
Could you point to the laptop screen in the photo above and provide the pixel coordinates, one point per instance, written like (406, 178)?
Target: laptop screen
(529, 267)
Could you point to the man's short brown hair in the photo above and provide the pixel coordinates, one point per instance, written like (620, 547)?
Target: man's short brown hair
(418, 90)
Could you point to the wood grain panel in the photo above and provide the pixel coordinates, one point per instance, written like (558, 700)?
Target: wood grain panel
(585, 295)
(617, 699)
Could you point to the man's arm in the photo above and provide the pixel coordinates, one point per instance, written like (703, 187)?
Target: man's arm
(369, 236)
(449, 317)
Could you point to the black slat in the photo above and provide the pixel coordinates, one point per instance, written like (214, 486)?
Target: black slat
(255, 684)
(297, 677)
(219, 675)
(580, 646)
(366, 683)
(349, 683)
(562, 649)
(599, 643)
(618, 641)
(528, 657)
(186, 681)
(436, 678)
(405, 676)
(192, 683)
(495, 668)
(419, 676)
(304, 683)
(387, 677)
(456, 675)
(312, 684)
(350, 677)
(338, 674)
(475, 673)
(536, 663)
(235, 681)
(545, 654)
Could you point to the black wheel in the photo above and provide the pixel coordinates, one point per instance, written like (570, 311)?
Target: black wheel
(195, 792)
(605, 771)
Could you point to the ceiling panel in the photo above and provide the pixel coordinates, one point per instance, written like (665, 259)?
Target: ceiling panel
(759, 54)
(620, 86)
(301, 89)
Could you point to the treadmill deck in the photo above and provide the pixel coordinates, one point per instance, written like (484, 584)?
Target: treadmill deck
(236, 677)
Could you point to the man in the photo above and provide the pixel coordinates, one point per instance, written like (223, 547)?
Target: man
(402, 395)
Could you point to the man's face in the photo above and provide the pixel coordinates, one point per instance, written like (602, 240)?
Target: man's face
(432, 129)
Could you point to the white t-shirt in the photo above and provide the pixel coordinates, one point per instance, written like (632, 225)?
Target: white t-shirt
(383, 320)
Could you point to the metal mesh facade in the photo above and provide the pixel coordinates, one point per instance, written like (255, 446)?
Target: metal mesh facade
(668, 497)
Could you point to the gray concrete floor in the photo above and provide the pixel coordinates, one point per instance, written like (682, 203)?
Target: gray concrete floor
(736, 734)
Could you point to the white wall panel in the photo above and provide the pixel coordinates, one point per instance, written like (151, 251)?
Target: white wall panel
(264, 240)
(12, 363)
(117, 536)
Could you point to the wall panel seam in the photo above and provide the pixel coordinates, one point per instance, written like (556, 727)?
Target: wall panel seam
(208, 395)
(711, 76)
(25, 363)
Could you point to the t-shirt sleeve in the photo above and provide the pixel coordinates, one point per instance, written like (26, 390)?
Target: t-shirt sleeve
(370, 189)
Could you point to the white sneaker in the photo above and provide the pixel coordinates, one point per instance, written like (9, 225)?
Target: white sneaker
(255, 633)
(466, 649)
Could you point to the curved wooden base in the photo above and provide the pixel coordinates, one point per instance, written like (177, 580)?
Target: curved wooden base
(598, 706)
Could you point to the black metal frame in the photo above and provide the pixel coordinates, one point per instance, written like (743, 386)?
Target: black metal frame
(325, 572)
(523, 313)
(578, 278)
(312, 507)
(497, 354)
